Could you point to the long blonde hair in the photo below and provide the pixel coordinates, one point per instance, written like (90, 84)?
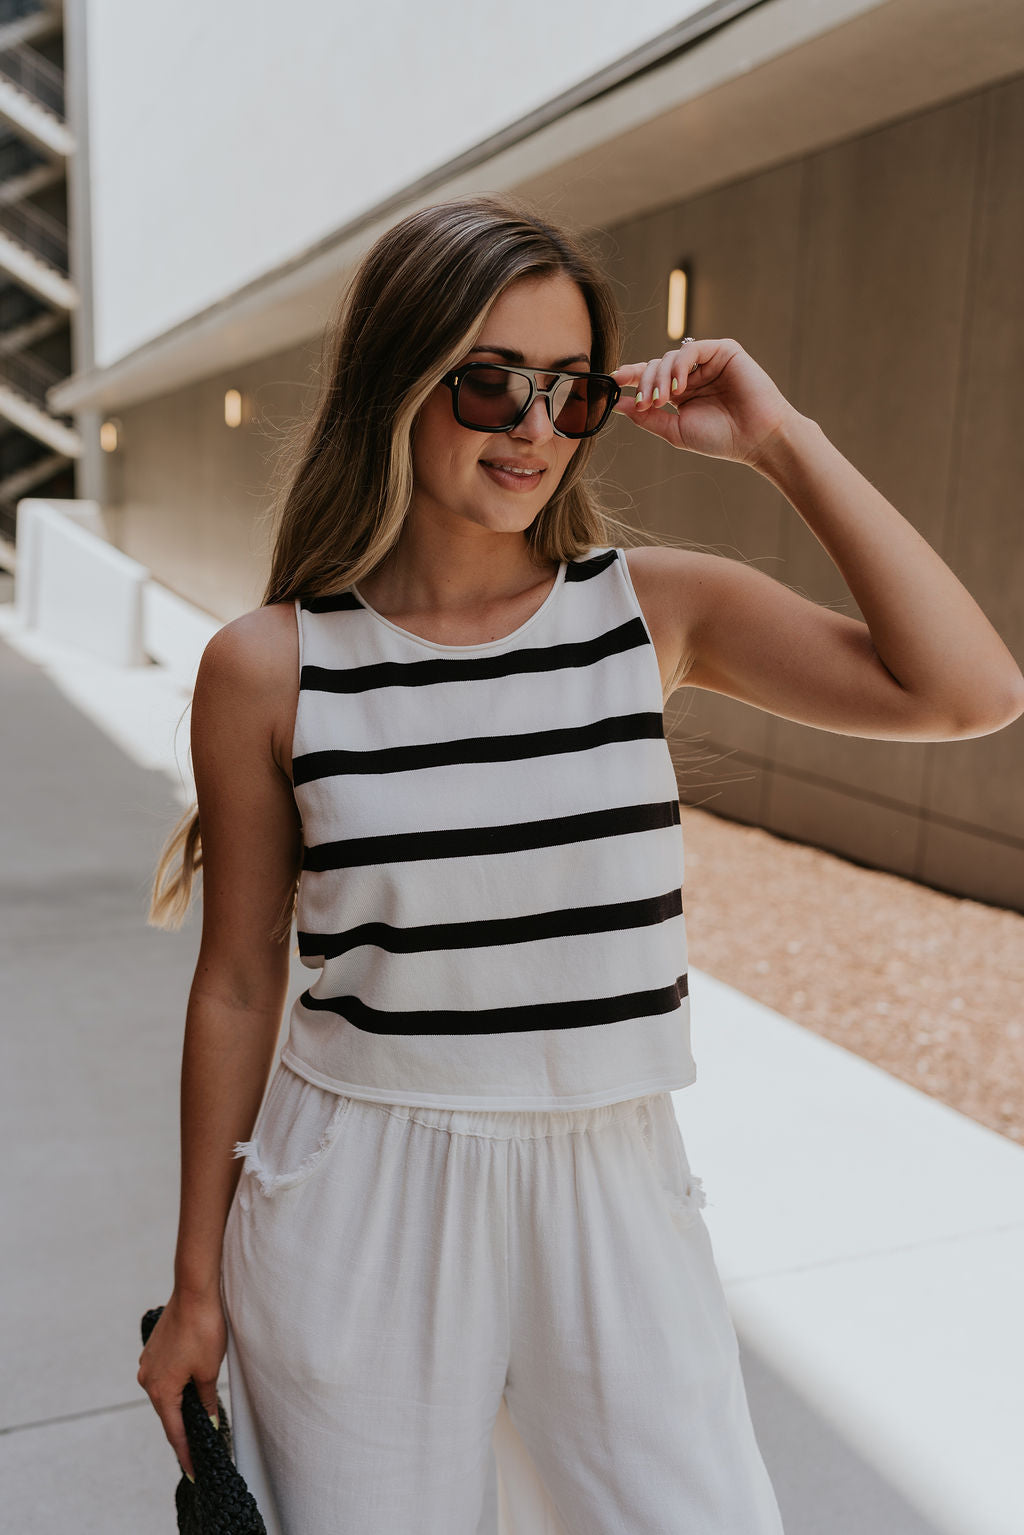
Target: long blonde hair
(412, 309)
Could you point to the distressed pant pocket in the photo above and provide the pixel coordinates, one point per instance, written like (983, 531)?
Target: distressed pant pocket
(296, 1127)
(663, 1141)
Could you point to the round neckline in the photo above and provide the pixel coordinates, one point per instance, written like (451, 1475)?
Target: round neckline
(481, 645)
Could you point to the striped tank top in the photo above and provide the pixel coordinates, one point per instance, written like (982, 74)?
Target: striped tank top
(490, 888)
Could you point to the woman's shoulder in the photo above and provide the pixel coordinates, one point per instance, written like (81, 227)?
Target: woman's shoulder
(659, 574)
(664, 574)
(257, 652)
(259, 646)
(249, 672)
(654, 559)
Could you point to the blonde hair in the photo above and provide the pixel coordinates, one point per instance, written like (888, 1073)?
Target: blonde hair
(412, 309)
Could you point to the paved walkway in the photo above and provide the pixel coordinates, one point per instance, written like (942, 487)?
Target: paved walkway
(871, 1240)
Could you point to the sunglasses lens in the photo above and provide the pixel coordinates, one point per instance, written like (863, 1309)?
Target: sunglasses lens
(580, 408)
(490, 399)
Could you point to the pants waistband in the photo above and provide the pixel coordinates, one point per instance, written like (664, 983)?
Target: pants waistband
(509, 1124)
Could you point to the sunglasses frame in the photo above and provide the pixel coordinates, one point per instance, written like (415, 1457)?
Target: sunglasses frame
(455, 377)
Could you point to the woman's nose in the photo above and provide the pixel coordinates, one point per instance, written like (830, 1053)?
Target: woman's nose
(536, 424)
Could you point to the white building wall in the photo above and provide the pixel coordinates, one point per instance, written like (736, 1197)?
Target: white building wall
(226, 138)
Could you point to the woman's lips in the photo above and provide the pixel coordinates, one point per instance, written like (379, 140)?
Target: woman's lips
(510, 480)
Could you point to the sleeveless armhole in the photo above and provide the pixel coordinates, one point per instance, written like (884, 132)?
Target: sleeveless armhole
(632, 591)
(298, 625)
(635, 600)
(298, 697)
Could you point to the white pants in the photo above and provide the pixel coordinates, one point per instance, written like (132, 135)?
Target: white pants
(406, 1287)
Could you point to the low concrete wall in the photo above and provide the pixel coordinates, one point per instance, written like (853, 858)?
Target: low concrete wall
(174, 632)
(73, 585)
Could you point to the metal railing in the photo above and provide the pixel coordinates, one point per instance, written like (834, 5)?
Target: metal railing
(31, 377)
(16, 157)
(17, 10)
(35, 75)
(17, 307)
(20, 451)
(39, 232)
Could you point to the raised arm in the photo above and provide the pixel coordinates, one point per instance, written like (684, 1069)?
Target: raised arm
(251, 846)
(926, 664)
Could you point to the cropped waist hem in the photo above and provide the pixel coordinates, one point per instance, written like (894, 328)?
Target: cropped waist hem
(546, 1103)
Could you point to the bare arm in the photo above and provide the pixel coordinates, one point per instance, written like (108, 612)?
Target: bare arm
(251, 840)
(926, 644)
(926, 665)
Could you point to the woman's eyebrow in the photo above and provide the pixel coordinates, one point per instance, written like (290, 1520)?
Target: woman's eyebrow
(511, 355)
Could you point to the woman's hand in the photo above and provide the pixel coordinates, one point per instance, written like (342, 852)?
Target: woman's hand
(189, 1340)
(725, 404)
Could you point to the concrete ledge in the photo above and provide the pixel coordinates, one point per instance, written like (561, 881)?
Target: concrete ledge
(76, 587)
(174, 632)
(871, 1242)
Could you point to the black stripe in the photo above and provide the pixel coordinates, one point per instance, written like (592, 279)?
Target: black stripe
(472, 841)
(584, 570)
(332, 602)
(528, 928)
(510, 663)
(504, 1020)
(519, 747)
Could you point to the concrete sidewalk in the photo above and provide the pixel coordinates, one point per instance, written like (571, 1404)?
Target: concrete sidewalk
(871, 1240)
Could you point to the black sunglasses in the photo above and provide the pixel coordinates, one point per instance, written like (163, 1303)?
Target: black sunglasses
(490, 397)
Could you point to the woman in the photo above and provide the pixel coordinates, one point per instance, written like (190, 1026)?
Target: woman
(465, 1205)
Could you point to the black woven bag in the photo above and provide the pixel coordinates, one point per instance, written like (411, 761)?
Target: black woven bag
(219, 1503)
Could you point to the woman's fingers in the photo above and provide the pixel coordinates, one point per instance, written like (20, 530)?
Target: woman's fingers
(168, 1407)
(208, 1396)
(660, 380)
(628, 373)
(187, 1343)
(640, 375)
(169, 1412)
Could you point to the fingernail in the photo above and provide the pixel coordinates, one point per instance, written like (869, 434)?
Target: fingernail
(214, 1419)
(639, 396)
(675, 385)
(654, 396)
(191, 1478)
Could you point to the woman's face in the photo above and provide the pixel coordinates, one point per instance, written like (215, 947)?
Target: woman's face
(538, 322)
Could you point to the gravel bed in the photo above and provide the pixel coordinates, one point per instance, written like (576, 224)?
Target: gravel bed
(924, 984)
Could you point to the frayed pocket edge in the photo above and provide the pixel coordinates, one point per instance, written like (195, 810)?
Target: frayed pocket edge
(270, 1183)
(689, 1204)
(694, 1199)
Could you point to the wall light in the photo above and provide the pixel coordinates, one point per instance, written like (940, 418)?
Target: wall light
(233, 407)
(678, 287)
(110, 435)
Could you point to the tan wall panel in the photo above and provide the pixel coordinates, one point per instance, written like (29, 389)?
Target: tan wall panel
(715, 768)
(980, 782)
(983, 780)
(196, 491)
(966, 863)
(699, 501)
(879, 835)
(884, 269)
(878, 283)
